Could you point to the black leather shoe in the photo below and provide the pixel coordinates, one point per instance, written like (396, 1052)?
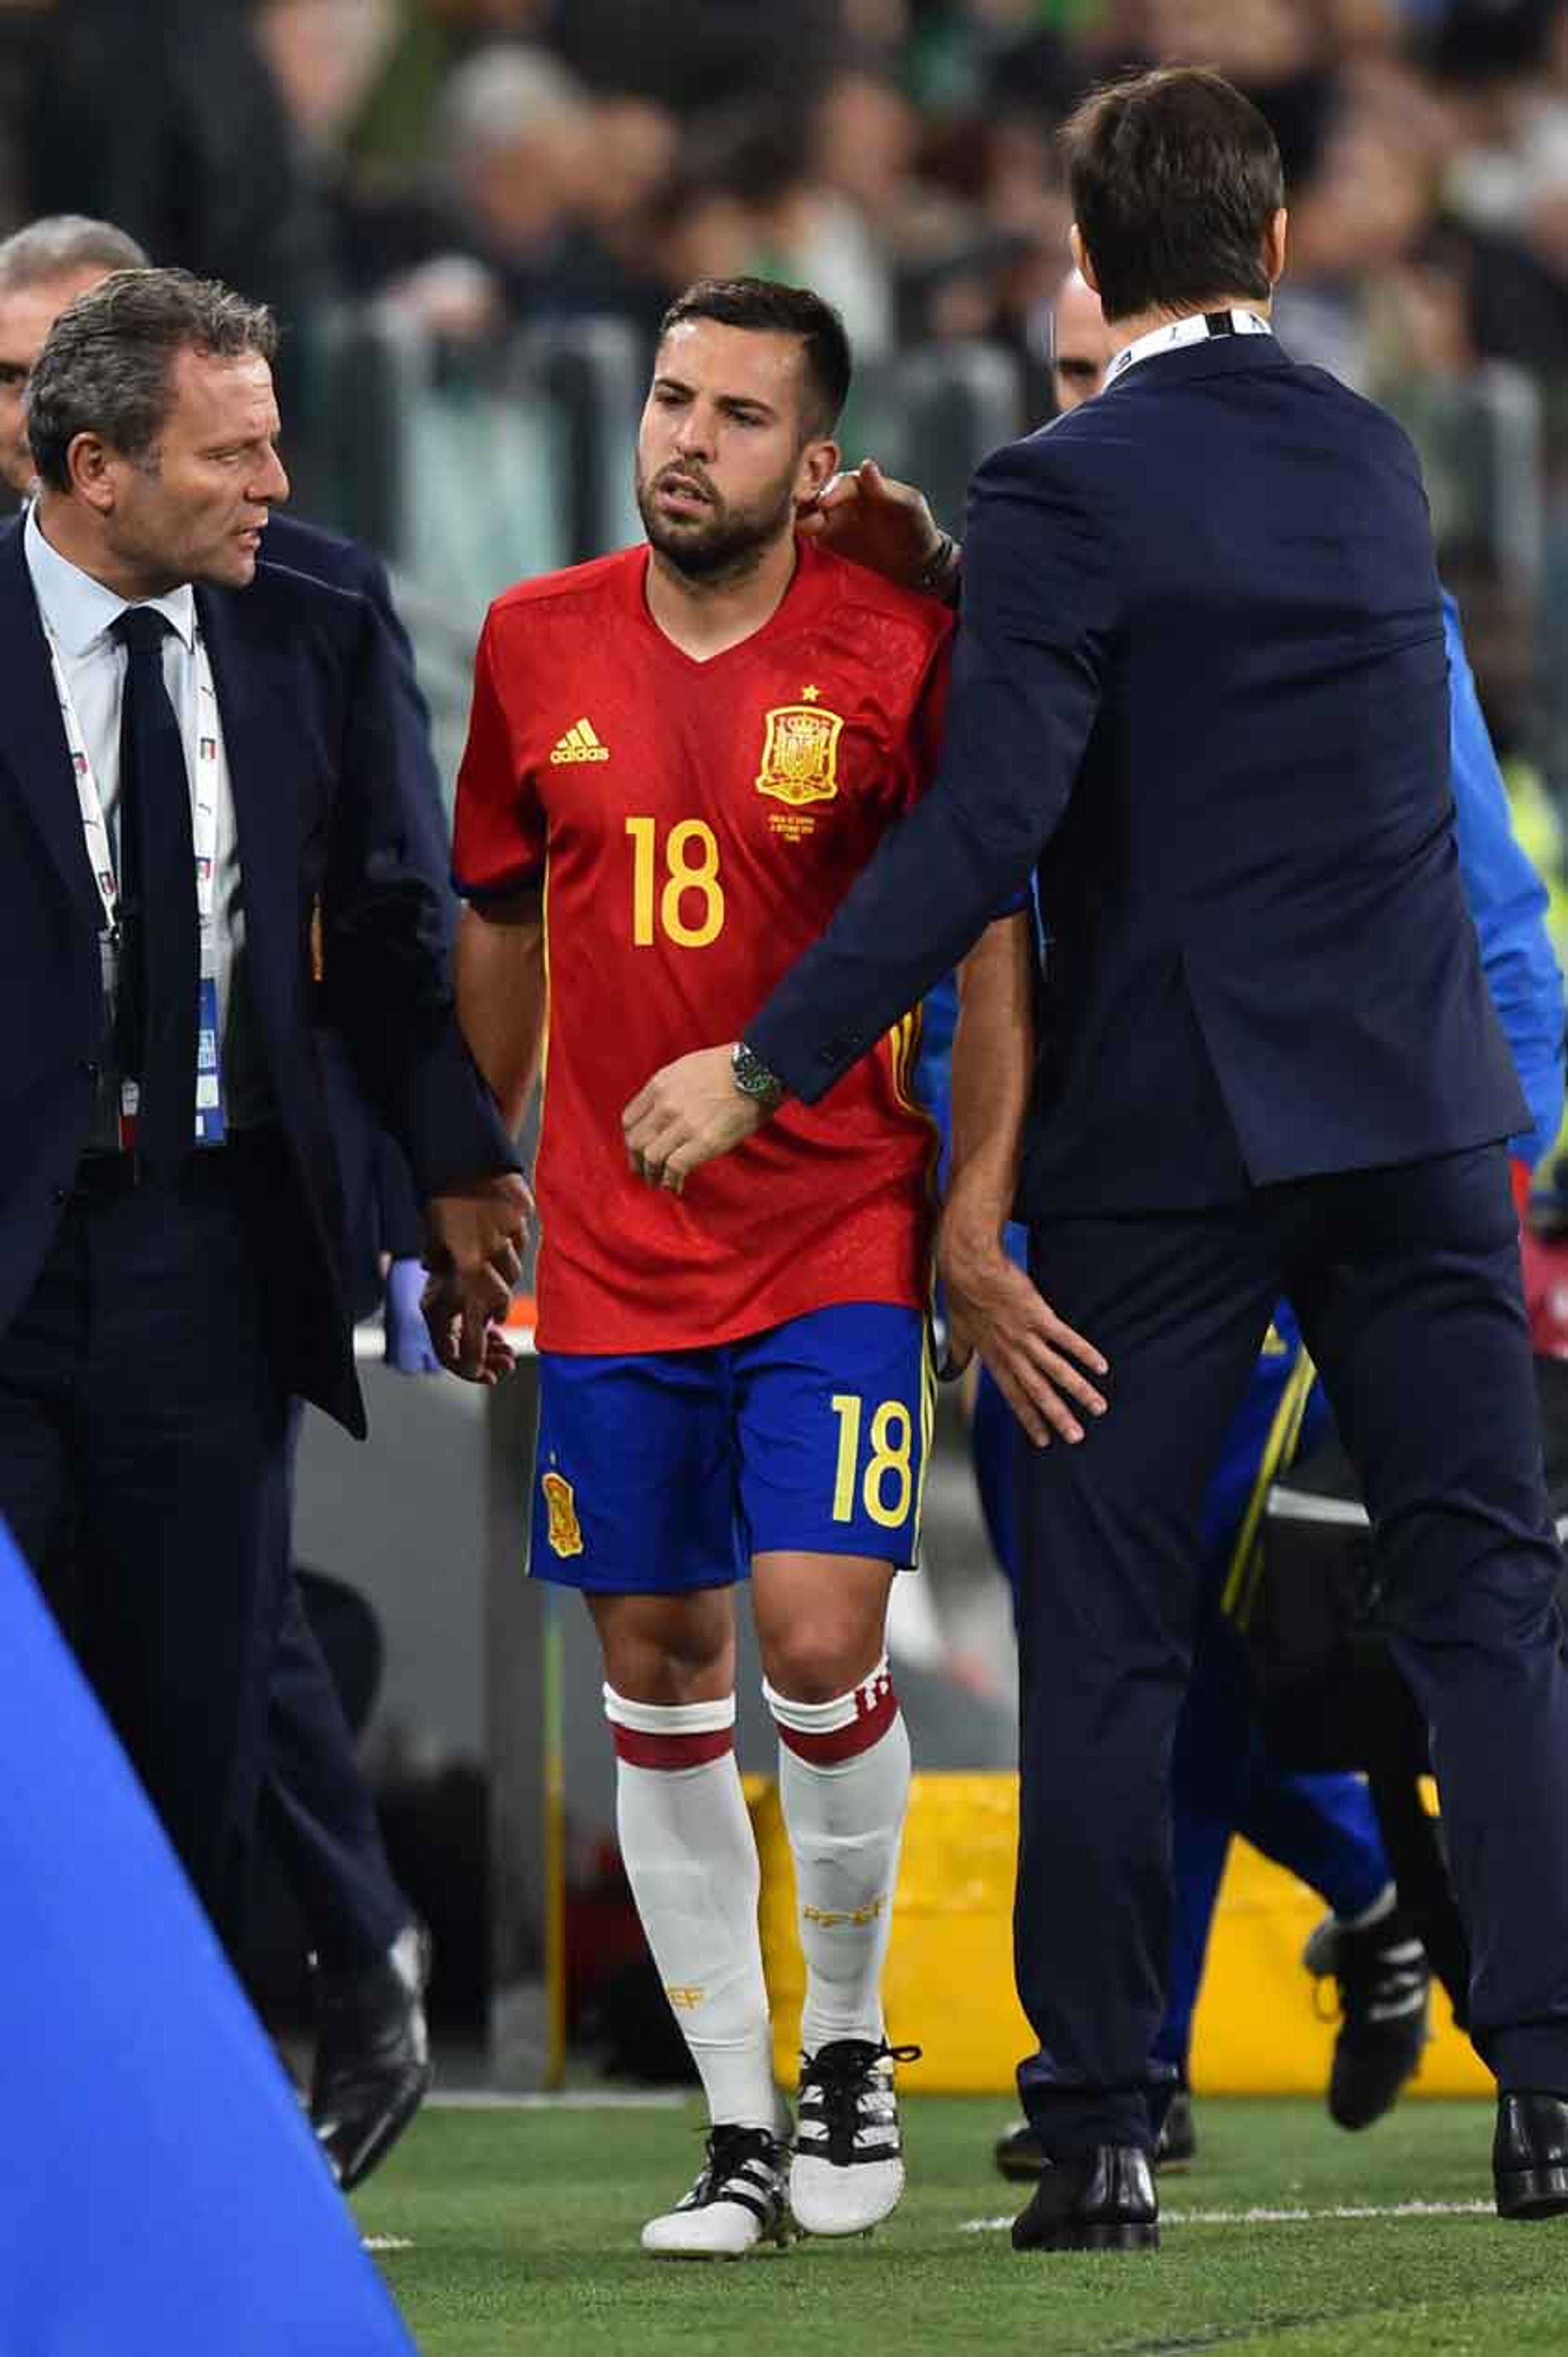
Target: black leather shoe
(1177, 2147)
(1018, 2153)
(372, 2056)
(1105, 2200)
(1019, 2156)
(1529, 2156)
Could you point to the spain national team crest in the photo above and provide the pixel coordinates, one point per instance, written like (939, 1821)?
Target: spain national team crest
(800, 755)
(565, 1532)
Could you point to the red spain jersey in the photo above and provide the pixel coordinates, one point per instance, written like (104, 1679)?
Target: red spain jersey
(696, 825)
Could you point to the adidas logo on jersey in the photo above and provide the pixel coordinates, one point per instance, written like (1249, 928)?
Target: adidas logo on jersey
(580, 744)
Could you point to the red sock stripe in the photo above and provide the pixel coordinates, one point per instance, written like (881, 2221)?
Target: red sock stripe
(670, 1750)
(872, 1720)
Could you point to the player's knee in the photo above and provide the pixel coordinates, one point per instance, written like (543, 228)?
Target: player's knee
(648, 1669)
(821, 1662)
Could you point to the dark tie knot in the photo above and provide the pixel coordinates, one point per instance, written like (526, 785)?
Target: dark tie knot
(141, 630)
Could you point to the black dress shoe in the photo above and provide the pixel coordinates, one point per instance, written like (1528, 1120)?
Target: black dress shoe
(1529, 2156)
(1103, 2200)
(1177, 2147)
(372, 2056)
(1020, 2156)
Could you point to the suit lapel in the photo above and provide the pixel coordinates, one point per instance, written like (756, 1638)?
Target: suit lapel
(32, 737)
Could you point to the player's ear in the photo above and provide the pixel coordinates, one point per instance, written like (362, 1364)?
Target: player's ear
(819, 465)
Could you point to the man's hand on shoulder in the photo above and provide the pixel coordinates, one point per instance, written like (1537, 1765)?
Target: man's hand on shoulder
(1042, 1367)
(884, 525)
(475, 1237)
(689, 1112)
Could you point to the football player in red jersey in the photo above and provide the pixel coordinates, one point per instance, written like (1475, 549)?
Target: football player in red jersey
(679, 757)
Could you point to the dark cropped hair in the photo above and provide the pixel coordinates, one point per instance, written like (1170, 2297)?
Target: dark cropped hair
(770, 309)
(107, 365)
(1174, 177)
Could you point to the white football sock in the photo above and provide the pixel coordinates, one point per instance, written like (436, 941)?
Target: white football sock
(690, 1859)
(844, 1781)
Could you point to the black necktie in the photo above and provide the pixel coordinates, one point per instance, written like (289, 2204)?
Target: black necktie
(160, 956)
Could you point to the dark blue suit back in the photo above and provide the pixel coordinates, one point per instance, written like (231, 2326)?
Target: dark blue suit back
(1256, 873)
(1201, 683)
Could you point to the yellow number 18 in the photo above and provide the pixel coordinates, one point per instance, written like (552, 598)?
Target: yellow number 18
(684, 874)
(890, 1461)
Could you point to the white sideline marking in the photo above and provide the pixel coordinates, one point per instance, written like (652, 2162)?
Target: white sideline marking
(387, 2243)
(1282, 2217)
(573, 2099)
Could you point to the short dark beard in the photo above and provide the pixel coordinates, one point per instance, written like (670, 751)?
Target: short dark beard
(720, 552)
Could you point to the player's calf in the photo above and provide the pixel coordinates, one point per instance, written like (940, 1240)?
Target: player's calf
(690, 1859)
(844, 1783)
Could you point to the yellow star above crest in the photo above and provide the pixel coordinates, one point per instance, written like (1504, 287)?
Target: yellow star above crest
(810, 695)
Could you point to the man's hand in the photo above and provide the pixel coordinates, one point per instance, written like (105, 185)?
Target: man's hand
(687, 1114)
(877, 521)
(475, 1236)
(1037, 1361)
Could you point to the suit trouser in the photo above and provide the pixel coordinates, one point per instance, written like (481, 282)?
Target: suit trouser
(317, 1816)
(1322, 1828)
(142, 1447)
(1406, 1283)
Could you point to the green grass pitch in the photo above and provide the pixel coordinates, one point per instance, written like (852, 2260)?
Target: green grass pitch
(522, 2230)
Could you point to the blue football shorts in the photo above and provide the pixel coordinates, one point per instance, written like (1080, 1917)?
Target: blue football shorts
(664, 1471)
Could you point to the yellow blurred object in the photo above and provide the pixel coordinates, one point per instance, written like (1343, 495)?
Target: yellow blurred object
(949, 1985)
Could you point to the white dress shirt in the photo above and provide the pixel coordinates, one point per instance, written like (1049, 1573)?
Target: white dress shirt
(77, 611)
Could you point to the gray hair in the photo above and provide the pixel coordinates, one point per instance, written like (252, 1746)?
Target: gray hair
(106, 366)
(502, 94)
(62, 245)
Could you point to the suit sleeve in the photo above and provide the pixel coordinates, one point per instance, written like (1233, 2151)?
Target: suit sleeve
(1033, 645)
(499, 832)
(387, 942)
(1508, 902)
(398, 1219)
(412, 715)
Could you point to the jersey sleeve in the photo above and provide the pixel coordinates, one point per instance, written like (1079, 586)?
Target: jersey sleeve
(498, 836)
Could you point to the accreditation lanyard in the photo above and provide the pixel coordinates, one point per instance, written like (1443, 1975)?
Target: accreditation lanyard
(208, 1115)
(1177, 334)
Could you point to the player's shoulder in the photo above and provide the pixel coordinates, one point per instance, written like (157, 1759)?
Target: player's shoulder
(921, 623)
(601, 580)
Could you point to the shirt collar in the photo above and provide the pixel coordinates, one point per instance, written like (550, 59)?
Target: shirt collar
(78, 609)
(1177, 333)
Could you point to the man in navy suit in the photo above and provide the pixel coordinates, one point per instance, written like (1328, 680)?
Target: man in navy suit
(172, 1260)
(316, 1814)
(1200, 689)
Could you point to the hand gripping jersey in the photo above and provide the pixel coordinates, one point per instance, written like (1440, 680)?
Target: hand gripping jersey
(696, 825)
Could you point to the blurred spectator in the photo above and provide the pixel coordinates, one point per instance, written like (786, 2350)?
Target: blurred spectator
(166, 118)
(1361, 213)
(863, 136)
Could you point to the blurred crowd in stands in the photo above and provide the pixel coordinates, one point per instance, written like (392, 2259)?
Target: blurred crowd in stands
(461, 169)
(482, 160)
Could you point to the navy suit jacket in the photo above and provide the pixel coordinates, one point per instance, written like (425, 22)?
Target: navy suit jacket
(328, 818)
(1200, 691)
(382, 1212)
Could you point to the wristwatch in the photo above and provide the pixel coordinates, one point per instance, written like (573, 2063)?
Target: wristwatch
(938, 577)
(752, 1077)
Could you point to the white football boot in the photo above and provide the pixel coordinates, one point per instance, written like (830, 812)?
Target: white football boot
(739, 2201)
(848, 2170)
